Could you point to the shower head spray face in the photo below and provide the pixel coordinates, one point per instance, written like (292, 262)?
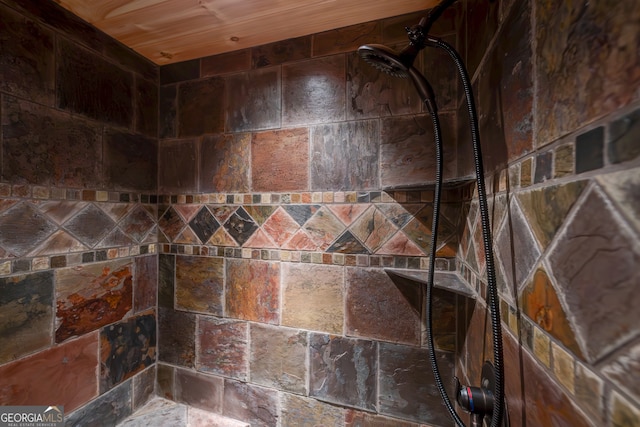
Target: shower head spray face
(384, 59)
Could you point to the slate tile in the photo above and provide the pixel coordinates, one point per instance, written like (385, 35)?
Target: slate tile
(223, 347)
(281, 52)
(180, 71)
(143, 387)
(255, 405)
(198, 390)
(623, 134)
(23, 228)
(199, 107)
(146, 107)
(299, 410)
(230, 62)
(225, 163)
(323, 228)
(590, 150)
(200, 284)
(145, 285)
(279, 160)
(90, 225)
(168, 106)
(373, 229)
(130, 161)
(108, 409)
(171, 224)
(240, 226)
(622, 187)
(252, 290)
(176, 342)
(253, 100)
(204, 224)
(174, 177)
(346, 39)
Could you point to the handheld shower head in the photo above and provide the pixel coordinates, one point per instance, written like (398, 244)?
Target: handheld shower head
(400, 64)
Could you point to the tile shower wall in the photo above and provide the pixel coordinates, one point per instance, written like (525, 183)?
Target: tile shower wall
(557, 88)
(275, 226)
(78, 268)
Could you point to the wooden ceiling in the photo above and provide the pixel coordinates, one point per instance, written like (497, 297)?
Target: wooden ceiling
(167, 31)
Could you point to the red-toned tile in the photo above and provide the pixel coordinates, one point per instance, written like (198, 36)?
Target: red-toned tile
(279, 160)
(400, 244)
(223, 347)
(260, 239)
(348, 213)
(222, 238)
(301, 242)
(280, 226)
(252, 291)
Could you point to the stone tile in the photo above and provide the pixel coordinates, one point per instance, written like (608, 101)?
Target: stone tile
(407, 389)
(323, 228)
(23, 227)
(373, 229)
(108, 409)
(442, 73)
(179, 72)
(313, 91)
(541, 347)
(89, 85)
(138, 224)
(279, 160)
(224, 163)
(407, 151)
(146, 107)
(158, 413)
(300, 241)
(91, 296)
(348, 213)
(516, 248)
(563, 367)
(589, 390)
(165, 379)
(348, 244)
(361, 419)
(90, 225)
(200, 284)
(171, 224)
(130, 161)
(174, 177)
(623, 188)
(301, 411)
(546, 208)
(28, 59)
(252, 290)
(594, 260)
(345, 156)
(325, 311)
(346, 39)
(64, 151)
(377, 309)
(126, 348)
(540, 302)
(482, 21)
(278, 358)
(26, 314)
(342, 371)
(576, 28)
(255, 405)
(176, 342)
(372, 93)
(400, 244)
(623, 413)
(204, 224)
(200, 109)
(200, 418)
(261, 213)
(623, 134)
(534, 398)
(622, 366)
(240, 226)
(544, 168)
(144, 387)
(166, 280)
(301, 213)
(281, 52)
(59, 242)
(168, 96)
(590, 150)
(64, 374)
(198, 390)
(230, 62)
(145, 285)
(564, 161)
(253, 100)
(223, 347)
(280, 227)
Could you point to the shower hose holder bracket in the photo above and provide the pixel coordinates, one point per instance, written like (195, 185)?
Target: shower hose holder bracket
(479, 401)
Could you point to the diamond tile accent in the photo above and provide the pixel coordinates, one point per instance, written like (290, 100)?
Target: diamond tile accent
(373, 228)
(171, 224)
(23, 227)
(300, 242)
(323, 228)
(400, 244)
(59, 211)
(260, 240)
(204, 224)
(280, 226)
(348, 244)
(400, 215)
(137, 224)
(90, 225)
(301, 213)
(222, 213)
(187, 211)
(59, 242)
(222, 238)
(348, 213)
(260, 213)
(115, 238)
(240, 226)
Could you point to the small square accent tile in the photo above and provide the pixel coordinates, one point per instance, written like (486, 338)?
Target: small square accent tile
(541, 344)
(590, 150)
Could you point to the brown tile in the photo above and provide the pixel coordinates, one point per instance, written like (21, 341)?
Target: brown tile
(29, 70)
(165, 381)
(65, 374)
(224, 163)
(442, 74)
(405, 375)
(146, 106)
(91, 296)
(255, 405)
(540, 302)
(325, 311)
(346, 39)
(252, 290)
(200, 284)
(279, 160)
(26, 314)
(595, 260)
(407, 155)
(23, 228)
(345, 156)
(126, 348)
(175, 175)
(130, 161)
(323, 228)
(377, 308)
(280, 227)
(623, 187)
(349, 212)
(110, 408)
(253, 100)
(563, 105)
(223, 347)
(176, 342)
(145, 285)
(168, 107)
(90, 225)
(299, 410)
(623, 412)
(373, 229)
(199, 108)
(563, 367)
(281, 52)
(278, 358)
(313, 91)
(238, 60)
(144, 387)
(198, 390)
(51, 160)
(138, 224)
(341, 371)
